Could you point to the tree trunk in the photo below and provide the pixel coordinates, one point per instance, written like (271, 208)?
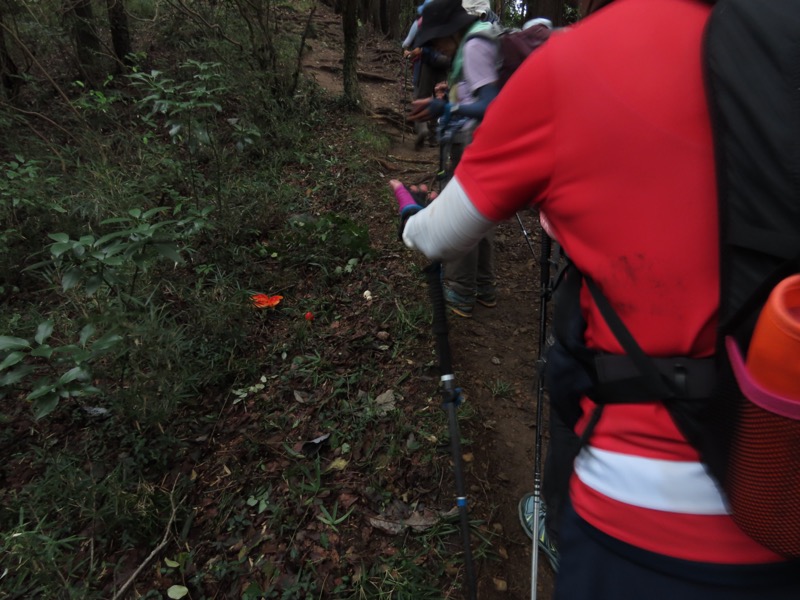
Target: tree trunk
(383, 10)
(352, 94)
(120, 34)
(87, 44)
(499, 8)
(9, 73)
(551, 9)
(395, 14)
(370, 13)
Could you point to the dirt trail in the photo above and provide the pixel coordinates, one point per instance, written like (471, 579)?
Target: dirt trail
(495, 350)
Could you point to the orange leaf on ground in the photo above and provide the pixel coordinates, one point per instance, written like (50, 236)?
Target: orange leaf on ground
(265, 301)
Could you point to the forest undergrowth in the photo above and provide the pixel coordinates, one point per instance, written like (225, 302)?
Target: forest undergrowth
(207, 335)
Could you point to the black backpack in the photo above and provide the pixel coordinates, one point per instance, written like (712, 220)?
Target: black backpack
(751, 63)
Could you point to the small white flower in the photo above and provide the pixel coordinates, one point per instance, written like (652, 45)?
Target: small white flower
(368, 296)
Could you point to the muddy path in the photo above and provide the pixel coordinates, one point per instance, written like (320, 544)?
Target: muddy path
(495, 352)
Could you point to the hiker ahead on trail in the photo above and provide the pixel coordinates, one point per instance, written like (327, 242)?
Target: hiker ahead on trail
(471, 86)
(606, 130)
(430, 67)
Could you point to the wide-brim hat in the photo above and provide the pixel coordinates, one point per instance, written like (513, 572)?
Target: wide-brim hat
(442, 18)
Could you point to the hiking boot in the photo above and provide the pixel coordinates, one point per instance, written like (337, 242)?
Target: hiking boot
(487, 295)
(460, 305)
(526, 519)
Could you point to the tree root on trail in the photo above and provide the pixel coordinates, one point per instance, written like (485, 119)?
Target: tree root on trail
(419, 161)
(361, 74)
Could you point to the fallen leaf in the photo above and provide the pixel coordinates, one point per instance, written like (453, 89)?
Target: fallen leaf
(176, 592)
(386, 525)
(385, 402)
(346, 500)
(338, 464)
(500, 584)
(422, 521)
(302, 397)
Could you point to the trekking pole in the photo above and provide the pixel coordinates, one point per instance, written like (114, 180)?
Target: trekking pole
(445, 135)
(451, 398)
(405, 98)
(527, 236)
(441, 173)
(544, 293)
(410, 204)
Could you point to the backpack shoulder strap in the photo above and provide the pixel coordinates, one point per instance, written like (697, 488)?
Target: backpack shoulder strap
(479, 29)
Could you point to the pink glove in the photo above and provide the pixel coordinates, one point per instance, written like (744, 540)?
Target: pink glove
(403, 196)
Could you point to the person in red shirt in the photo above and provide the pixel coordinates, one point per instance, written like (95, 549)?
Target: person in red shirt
(606, 130)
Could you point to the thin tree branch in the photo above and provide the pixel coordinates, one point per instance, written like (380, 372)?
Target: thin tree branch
(27, 51)
(164, 541)
(180, 5)
(299, 66)
(40, 135)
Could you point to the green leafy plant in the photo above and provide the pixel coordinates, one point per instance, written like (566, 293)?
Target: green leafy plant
(95, 100)
(61, 371)
(500, 388)
(187, 106)
(332, 518)
(116, 258)
(135, 334)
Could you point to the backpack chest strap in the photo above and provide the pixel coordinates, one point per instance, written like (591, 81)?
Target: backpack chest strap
(619, 379)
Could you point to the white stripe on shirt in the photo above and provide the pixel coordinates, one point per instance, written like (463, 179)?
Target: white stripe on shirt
(668, 485)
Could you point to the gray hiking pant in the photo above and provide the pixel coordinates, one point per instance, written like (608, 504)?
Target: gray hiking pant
(474, 271)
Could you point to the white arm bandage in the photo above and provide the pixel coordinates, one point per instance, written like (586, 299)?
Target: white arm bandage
(449, 228)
